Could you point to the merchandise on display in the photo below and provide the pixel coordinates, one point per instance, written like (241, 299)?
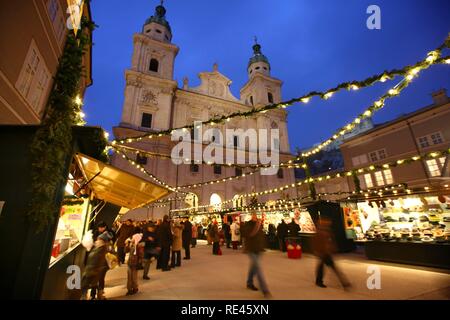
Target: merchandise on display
(405, 219)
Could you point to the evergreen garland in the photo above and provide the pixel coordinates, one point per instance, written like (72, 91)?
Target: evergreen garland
(52, 144)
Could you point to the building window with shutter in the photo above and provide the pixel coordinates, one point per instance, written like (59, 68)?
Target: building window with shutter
(146, 120)
(379, 178)
(368, 180)
(388, 176)
(434, 168)
(217, 169)
(373, 156)
(238, 171)
(34, 79)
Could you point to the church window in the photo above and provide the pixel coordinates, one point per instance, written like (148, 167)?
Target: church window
(141, 159)
(238, 171)
(236, 141)
(217, 169)
(167, 37)
(158, 31)
(251, 100)
(265, 68)
(149, 30)
(146, 120)
(154, 65)
(270, 97)
(280, 174)
(257, 68)
(194, 167)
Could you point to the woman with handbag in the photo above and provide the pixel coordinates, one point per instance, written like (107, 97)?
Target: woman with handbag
(152, 248)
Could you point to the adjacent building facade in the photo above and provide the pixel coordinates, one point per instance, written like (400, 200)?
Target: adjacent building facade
(154, 102)
(27, 67)
(418, 133)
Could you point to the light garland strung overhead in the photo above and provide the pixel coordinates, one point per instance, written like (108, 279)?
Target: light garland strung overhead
(406, 71)
(143, 170)
(376, 106)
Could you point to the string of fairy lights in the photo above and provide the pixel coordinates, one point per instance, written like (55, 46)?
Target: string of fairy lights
(369, 195)
(349, 173)
(409, 73)
(406, 71)
(376, 106)
(369, 112)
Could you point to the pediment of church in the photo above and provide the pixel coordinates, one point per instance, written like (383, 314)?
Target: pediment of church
(214, 84)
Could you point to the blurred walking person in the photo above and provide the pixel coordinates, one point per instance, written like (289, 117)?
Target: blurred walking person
(324, 246)
(254, 245)
(151, 250)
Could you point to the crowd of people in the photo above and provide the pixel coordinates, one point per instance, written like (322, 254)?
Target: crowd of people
(164, 240)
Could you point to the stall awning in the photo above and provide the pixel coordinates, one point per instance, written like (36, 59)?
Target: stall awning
(117, 186)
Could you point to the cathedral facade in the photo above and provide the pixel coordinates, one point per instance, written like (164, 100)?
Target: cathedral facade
(154, 102)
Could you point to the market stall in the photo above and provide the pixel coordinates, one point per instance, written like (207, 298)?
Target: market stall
(413, 229)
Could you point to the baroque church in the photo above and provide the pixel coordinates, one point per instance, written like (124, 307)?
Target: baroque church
(154, 102)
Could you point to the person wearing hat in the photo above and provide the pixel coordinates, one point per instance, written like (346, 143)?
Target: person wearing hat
(95, 266)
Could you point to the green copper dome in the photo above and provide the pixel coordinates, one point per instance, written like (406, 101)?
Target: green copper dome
(159, 18)
(258, 56)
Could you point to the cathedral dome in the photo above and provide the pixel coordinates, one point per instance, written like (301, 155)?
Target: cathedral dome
(159, 17)
(257, 55)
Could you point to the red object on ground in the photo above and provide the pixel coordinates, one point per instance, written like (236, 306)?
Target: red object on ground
(219, 252)
(295, 253)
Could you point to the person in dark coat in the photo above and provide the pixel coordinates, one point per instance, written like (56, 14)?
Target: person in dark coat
(165, 239)
(271, 237)
(151, 249)
(254, 244)
(125, 231)
(282, 233)
(227, 234)
(294, 229)
(215, 238)
(98, 291)
(324, 245)
(187, 238)
(95, 265)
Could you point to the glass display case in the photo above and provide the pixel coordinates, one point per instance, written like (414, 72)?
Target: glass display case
(413, 219)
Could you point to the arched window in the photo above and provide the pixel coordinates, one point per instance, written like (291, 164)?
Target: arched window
(238, 201)
(251, 100)
(215, 201)
(154, 65)
(270, 97)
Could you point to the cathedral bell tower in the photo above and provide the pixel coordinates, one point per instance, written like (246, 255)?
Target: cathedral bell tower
(150, 86)
(261, 89)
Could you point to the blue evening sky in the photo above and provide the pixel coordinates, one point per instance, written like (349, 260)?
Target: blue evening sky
(311, 45)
